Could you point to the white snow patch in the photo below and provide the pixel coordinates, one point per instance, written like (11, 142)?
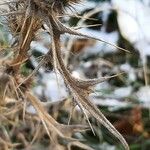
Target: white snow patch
(144, 95)
(134, 23)
(128, 69)
(122, 92)
(39, 46)
(51, 88)
(31, 109)
(110, 102)
(106, 146)
(101, 46)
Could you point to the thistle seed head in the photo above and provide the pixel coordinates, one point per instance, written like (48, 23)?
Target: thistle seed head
(54, 6)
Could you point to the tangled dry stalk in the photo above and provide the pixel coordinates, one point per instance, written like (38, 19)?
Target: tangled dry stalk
(25, 18)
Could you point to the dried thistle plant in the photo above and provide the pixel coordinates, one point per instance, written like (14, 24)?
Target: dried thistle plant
(25, 18)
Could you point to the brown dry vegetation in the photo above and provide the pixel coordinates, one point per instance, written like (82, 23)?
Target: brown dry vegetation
(20, 129)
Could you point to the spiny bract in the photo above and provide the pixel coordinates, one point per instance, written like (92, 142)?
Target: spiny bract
(57, 6)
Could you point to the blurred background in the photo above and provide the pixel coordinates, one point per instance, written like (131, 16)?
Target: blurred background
(125, 100)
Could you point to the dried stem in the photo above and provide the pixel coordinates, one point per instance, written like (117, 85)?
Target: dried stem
(35, 14)
(79, 90)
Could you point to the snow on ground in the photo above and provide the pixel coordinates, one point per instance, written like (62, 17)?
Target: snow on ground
(122, 92)
(100, 46)
(134, 23)
(144, 95)
(51, 88)
(129, 70)
(110, 102)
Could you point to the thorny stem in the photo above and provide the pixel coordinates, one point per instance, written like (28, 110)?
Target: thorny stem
(80, 93)
(64, 29)
(80, 89)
